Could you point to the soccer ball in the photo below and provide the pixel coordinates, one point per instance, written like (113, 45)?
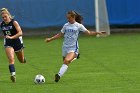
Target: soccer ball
(39, 79)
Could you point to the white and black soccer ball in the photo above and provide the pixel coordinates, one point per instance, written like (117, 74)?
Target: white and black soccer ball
(39, 79)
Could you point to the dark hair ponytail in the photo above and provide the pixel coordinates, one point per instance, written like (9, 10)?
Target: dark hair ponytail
(78, 17)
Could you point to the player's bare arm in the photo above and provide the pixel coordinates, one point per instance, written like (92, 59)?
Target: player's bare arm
(54, 37)
(94, 33)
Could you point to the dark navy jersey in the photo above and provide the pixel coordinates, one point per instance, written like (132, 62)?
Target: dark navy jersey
(8, 29)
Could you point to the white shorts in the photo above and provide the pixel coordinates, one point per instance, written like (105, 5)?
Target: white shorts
(66, 50)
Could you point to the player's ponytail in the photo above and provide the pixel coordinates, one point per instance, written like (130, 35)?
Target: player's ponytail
(5, 11)
(78, 17)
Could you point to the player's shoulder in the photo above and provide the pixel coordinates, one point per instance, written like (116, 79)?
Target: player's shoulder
(66, 24)
(14, 21)
(78, 24)
(1, 23)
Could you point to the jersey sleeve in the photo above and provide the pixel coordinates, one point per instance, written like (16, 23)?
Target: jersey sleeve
(63, 29)
(82, 28)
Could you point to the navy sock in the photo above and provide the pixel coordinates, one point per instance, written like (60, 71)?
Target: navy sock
(11, 68)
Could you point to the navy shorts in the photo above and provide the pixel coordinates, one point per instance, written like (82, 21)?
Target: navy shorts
(16, 44)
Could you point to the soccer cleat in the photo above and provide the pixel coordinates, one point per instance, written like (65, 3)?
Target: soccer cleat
(57, 77)
(13, 78)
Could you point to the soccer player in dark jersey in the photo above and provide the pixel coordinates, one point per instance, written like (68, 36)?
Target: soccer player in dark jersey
(13, 42)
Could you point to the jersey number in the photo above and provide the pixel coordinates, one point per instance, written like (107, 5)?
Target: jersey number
(8, 33)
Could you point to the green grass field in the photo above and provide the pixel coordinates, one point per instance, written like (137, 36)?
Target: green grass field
(106, 65)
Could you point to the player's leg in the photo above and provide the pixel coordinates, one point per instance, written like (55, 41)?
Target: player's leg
(76, 57)
(20, 56)
(69, 57)
(10, 55)
(67, 60)
(57, 77)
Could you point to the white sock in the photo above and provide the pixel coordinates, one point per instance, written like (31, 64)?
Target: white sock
(62, 70)
(13, 73)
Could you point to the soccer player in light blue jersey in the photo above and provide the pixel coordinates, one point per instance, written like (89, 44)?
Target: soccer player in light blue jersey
(70, 47)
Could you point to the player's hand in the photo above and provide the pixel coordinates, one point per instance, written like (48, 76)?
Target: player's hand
(101, 32)
(8, 37)
(48, 40)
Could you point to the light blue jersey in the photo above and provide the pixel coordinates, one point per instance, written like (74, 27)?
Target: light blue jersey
(71, 33)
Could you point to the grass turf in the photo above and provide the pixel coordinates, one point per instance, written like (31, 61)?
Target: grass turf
(106, 65)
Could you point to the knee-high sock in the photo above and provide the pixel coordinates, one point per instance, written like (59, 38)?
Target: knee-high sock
(12, 69)
(62, 70)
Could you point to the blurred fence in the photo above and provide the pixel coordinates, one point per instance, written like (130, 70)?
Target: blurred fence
(44, 13)
(51, 14)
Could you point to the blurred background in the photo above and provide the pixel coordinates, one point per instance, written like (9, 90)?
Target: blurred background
(45, 16)
(106, 65)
